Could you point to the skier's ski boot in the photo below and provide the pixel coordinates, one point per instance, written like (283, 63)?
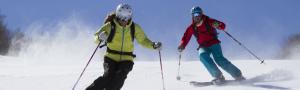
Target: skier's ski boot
(218, 81)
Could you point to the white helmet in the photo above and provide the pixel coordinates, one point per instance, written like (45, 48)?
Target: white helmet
(124, 12)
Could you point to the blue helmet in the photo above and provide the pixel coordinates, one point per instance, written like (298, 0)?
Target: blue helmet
(196, 11)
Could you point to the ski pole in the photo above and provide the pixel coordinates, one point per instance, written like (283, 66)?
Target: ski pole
(178, 70)
(86, 66)
(161, 69)
(261, 61)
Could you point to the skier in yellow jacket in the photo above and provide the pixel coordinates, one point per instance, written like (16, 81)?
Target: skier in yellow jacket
(119, 33)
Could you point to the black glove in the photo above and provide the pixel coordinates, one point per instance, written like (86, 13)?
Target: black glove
(180, 48)
(157, 45)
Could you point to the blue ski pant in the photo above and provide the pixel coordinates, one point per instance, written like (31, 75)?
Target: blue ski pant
(210, 64)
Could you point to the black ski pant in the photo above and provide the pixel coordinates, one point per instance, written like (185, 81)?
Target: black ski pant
(114, 75)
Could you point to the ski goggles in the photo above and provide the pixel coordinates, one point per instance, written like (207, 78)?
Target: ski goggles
(196, 14)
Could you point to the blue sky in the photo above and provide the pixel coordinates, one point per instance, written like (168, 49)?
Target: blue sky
(262, 25)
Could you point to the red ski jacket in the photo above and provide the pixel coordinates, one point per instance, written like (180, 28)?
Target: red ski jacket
(205, 34)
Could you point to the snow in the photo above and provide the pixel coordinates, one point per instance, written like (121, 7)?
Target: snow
(54, 61)
(146, 75)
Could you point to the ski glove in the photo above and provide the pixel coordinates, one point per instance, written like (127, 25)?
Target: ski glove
(102, 36)
(180, 48)
(218, 25)
(157, 45)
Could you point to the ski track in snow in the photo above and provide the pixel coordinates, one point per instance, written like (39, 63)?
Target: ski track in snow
(146, 75)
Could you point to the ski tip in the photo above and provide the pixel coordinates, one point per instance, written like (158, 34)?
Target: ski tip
(200, 84)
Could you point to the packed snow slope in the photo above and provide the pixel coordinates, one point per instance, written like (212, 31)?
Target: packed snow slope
(54, 60)
(16, 74)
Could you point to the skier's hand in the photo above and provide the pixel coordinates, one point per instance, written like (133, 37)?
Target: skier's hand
(216, 24)
(219, 25)
(102, 36)
(157, 45)
(180, 48)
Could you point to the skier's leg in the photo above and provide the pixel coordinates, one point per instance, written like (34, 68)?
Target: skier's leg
(124, 67)
(204, 54)
(223, 62)
(102, 82)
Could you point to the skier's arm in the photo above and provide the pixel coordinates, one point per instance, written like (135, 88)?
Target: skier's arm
(105, 28)
(141, 37)
(186, 37)
(216, 24)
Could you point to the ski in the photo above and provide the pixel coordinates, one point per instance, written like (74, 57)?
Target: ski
(226, 82)
(200, 84)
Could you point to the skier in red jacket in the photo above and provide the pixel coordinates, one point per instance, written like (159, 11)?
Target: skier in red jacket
(204, 30)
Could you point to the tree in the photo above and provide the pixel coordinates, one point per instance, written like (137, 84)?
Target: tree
(291, 48)
(4, 36)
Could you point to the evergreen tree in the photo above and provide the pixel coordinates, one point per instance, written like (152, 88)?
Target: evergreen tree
(4, 36)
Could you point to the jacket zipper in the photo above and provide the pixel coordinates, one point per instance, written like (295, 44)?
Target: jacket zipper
(123, 29)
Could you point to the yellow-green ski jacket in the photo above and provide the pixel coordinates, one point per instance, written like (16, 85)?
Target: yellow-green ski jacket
(122, 40)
